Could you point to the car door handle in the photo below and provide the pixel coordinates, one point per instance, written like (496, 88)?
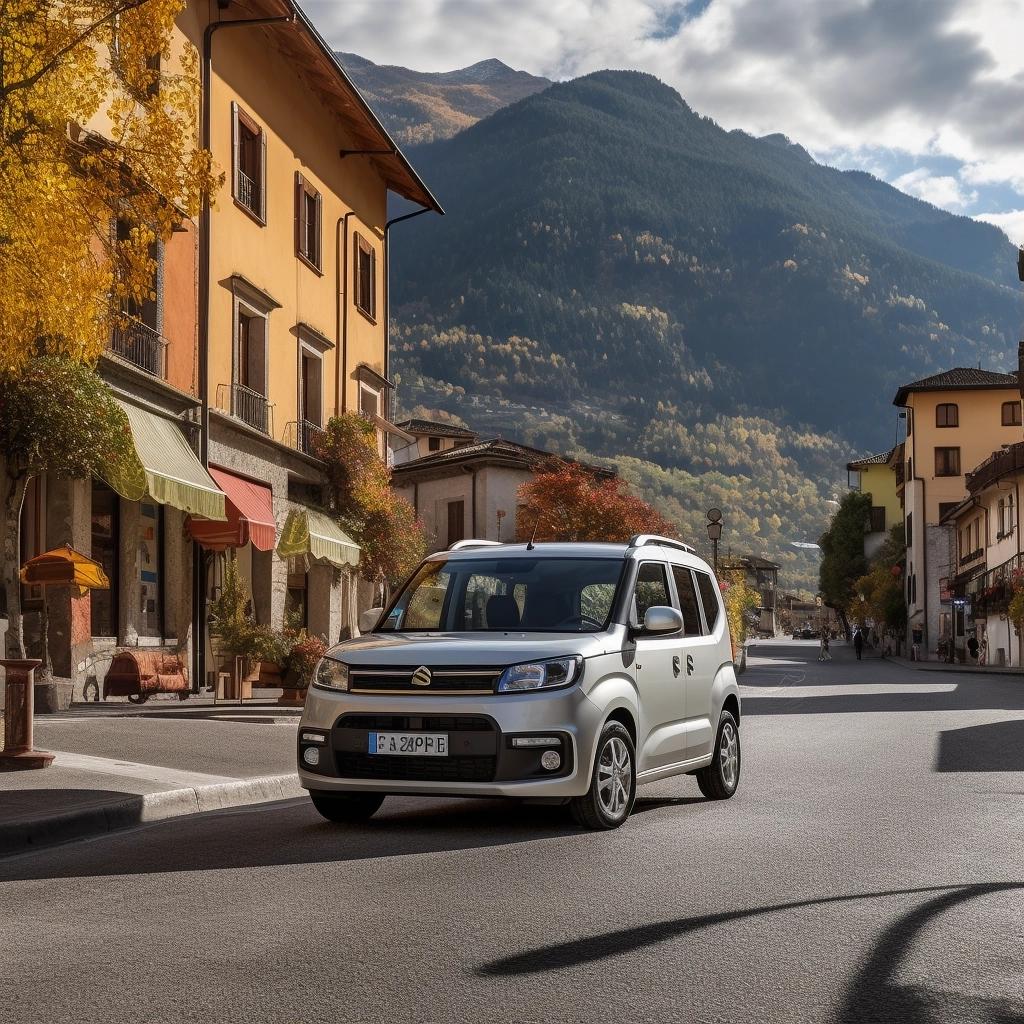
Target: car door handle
(675, 665)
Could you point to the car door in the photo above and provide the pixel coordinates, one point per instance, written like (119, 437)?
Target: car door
(701, 656)
(658, 673)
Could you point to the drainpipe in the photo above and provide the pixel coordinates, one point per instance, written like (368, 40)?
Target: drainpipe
(387, 281)
(198, 573)
(341, 311)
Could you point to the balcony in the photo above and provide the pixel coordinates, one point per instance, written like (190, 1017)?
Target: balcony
(140, 345)
(248, 406)
(248, 192)
(301, 435)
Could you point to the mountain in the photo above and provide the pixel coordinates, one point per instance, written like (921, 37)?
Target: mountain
(723, 316)
(419, 106)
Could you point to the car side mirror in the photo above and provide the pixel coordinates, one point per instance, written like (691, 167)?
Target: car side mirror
(368, 619)
(661, 619)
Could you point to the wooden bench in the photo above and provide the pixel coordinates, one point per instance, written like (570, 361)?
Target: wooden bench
(137, 674)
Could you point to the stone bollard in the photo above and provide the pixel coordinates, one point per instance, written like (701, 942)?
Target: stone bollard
(18, 751)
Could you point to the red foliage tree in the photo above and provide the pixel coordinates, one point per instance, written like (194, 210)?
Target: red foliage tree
(570, 502)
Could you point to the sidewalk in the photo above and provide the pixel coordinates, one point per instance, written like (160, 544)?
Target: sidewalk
(115, 769)
(943, 666)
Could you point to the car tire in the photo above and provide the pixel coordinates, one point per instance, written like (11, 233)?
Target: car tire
(719, 780)
(346, 807)
(609, 800)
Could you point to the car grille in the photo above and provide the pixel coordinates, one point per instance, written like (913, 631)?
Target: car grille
(444, 680)
(417, 769)
(475, 733)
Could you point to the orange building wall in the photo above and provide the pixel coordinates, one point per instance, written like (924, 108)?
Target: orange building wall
(180, 296)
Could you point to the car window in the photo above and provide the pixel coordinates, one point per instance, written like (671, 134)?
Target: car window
(651, 590)
(708, 598)
(687, 600)
(596, 601)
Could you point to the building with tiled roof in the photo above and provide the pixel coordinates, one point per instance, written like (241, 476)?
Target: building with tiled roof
(960, 377)
(471, 490)
(875, 475)
(430, 437)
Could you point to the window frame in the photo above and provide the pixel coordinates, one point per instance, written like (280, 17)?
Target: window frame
(946, 406)
(1017, 419)
(949, 459)
(677, 568)
(304, 189)
(361, 247)
(239, 120)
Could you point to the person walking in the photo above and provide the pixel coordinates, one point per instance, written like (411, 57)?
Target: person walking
(972, 647)
(858, 643)
(824, 654)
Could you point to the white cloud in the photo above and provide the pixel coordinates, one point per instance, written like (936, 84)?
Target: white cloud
(1012, 222)
(939, 190)
(930, 78)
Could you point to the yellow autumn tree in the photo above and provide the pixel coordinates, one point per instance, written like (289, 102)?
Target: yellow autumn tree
(99, 159)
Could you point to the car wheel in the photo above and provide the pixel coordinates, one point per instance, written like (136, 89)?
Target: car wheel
(719, 780)
(138, 698)
(342, 807)
(608, 801)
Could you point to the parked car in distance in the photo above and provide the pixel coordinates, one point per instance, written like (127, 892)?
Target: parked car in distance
(568, 672)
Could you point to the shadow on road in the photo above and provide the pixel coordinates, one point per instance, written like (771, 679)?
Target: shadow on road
(872, 996)
(291, 832)
(995, 747)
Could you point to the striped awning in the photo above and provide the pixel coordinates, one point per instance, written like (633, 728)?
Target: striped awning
(250, 512)
(308, 532)
(174, 476)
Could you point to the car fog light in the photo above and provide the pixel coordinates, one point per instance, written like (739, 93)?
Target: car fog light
(311, 755)
(550, 760)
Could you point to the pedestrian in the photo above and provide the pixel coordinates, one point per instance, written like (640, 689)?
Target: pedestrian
(858, 643)
(972, 647)
(826, 654)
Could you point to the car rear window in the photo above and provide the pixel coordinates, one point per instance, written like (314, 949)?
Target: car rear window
(709, 598)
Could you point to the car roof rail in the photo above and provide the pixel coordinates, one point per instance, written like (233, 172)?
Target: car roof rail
(471, 542)
(639, 540)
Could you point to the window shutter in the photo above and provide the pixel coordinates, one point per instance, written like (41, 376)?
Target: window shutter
(373, 283)
(356, 274)
(300, 215)
(234, 149)
(263, 176)
(318, 238)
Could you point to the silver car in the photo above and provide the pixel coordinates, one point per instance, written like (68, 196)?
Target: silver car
(570, 673)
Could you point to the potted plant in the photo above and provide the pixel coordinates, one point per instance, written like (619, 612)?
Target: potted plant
(235, 636)
(306, 652)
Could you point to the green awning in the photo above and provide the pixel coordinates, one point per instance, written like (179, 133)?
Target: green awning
(308, 532)
(174, 476)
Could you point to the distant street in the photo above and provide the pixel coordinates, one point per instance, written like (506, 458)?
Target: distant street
(871, 868)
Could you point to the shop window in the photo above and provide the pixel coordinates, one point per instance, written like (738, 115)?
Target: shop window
(1011, 414)
(106, 523)
(947, 414)
(149, 621)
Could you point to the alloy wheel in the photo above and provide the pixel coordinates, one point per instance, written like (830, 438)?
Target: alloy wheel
(614, 773)
(729, 755)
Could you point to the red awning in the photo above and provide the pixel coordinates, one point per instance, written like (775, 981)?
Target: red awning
(250, 510)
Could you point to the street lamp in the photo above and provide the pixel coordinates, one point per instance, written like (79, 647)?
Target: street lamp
(715, 532)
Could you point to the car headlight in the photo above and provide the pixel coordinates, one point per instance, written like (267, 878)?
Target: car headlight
(331, 674)
(540, 675)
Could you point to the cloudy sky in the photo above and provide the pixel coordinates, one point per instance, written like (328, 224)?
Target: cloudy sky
(927, 94)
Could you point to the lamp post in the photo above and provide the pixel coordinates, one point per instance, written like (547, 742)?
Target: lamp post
(714, 525)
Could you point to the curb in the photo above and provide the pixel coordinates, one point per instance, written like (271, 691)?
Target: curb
(31, 833)
(967, 670)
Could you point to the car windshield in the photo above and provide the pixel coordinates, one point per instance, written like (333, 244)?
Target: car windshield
(469, 595)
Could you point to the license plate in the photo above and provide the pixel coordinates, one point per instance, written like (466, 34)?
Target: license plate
(412, 744)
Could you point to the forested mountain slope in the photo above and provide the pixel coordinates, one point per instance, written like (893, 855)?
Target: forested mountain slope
(617, 274)
(420, 106)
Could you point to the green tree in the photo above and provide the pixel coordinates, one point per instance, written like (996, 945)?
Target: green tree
(57, 416)
(842, 547)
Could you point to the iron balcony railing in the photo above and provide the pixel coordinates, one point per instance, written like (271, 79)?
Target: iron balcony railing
(248, 192)
(139, 344)
(301, 435)
(248, 406)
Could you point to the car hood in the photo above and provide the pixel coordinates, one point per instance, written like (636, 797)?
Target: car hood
(413, 649)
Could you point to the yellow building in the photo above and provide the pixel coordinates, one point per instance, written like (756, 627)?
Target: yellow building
(954, 420)
(875, 476)
(270, 316)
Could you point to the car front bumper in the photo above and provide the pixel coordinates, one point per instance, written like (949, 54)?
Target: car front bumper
(482, 759)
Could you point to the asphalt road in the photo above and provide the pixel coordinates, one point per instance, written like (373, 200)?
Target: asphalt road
(871, 868)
